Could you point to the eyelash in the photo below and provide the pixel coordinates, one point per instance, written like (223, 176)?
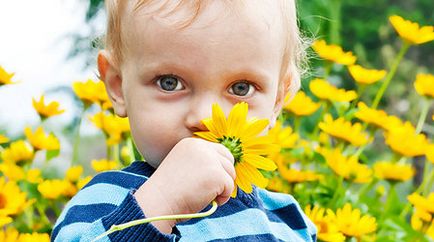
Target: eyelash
(251, 87)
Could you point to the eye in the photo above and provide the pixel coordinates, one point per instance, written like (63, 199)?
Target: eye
(242, 88)
(169, 83)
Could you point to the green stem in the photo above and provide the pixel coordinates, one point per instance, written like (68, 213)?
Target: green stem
(327, 69)
(360, 91)
(424, 186)
(428, 184)
(335, 23)
(53, 205)
(297, 121)
(388, 202)
(337, 192)
(423, 114)
(109, 151)
(42, 214)
(115, 228)
(130, 148)
(29, 216)
(390, 75)
(323, 112)
(74, 159)
(367, 188)
(116, 153)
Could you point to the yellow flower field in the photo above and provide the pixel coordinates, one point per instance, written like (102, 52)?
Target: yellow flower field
(349, 163)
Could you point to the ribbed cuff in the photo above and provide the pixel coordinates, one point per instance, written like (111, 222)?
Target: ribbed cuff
(130, 210)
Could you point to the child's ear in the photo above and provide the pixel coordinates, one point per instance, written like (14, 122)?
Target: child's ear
(112, 79)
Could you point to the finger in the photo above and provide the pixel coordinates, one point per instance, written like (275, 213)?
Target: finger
(228, 187)
(221, 149)
(228, 166)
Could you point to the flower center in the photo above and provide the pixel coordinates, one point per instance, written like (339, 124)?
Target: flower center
(3, 201)
(234, 146)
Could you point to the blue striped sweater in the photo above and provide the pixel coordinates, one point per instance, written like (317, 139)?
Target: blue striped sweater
(108, 199)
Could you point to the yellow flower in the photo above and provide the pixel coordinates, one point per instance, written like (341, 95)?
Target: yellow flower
(366, 76)
(346, 167)
(18, 152)
(127, 154)
(4, 220)
(417, 223)
(324, 90)
(392, 122)
(112, 125)
(9, 235)
(74, 173)
(430, 152)
(296, 176)
(352, 223)
(422, 203)
(3, 139)
(393, 171)
(278, 185)
(42, 141)
(342, 129)
(40, 237)
(103, 165)
(333, 53)
(404, 140)
(12, 199)
(240, 137)
(52, 189)
(284, 137)
(46, 111)
(411, 32)
(82, 182)
(424, 85)
(326, 227)
(12, 171)
(34, 176)
(422, 218)
(5, 78)
(12, 235)
(372, 116)
(301, 105)
(91, 92)
(70, 189)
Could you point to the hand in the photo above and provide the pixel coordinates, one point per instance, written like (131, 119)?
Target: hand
(194, 173)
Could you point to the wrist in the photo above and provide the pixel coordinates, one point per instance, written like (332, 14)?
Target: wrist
(154, 203)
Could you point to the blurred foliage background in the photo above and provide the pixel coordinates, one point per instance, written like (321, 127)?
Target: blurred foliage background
(362, 27)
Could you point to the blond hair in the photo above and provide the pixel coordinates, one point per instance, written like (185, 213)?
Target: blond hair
(294, 50)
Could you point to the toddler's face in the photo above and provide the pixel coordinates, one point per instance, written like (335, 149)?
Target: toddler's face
(171, 76)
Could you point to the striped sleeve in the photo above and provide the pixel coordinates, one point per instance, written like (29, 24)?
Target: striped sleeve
(103, 203)
(289, 211)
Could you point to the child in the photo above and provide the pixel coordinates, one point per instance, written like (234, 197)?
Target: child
(165, 64)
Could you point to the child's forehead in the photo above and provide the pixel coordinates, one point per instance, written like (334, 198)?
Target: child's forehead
(246, 32)
(185, 13)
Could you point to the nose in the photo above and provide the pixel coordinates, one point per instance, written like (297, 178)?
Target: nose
(200, 108)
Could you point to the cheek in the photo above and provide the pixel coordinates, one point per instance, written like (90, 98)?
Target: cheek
(155, 133)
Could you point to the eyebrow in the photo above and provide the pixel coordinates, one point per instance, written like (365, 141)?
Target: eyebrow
(185, 71)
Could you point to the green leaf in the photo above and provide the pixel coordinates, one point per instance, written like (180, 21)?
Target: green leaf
(50, 154)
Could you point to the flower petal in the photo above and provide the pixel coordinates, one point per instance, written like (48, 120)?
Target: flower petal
(237, 119)
(242, 179)
(254, 127)
(255, 176)
(260, 162)
(207, 135)
(219, 119)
